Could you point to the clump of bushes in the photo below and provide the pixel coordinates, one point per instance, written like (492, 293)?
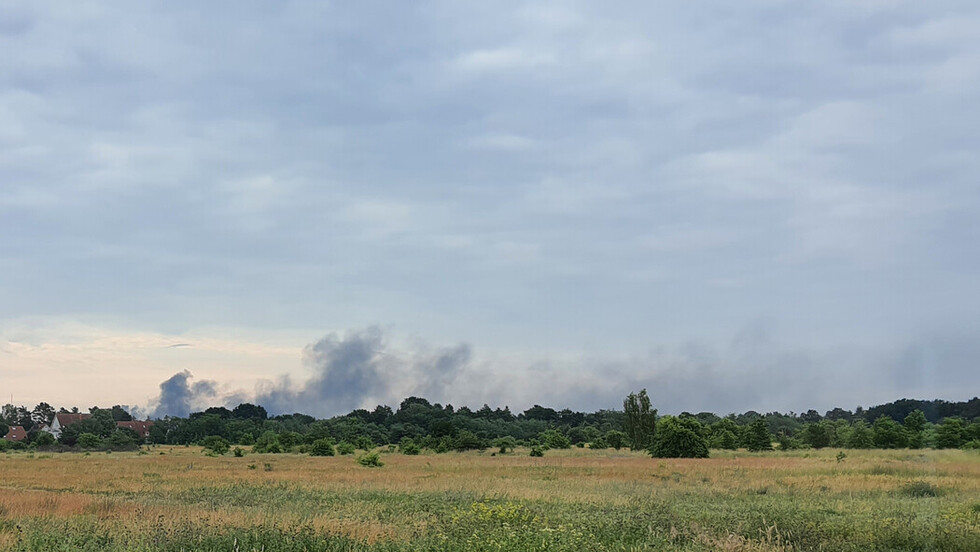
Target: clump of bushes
(920, 489)
(371, 460)
(408, 446)
(322, 447)
(215, 445)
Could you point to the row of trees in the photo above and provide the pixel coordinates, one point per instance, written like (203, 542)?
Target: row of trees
(444, 428)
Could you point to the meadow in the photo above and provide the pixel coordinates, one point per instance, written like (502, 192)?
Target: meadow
(176, 498)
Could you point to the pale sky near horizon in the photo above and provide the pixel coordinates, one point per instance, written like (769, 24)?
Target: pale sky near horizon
(764, 205)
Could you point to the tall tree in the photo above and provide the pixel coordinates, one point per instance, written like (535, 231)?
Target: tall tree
(42, 414)
(758, 437)
(641, 421)
(915, 423)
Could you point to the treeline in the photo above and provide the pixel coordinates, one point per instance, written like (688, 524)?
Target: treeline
(418, 424)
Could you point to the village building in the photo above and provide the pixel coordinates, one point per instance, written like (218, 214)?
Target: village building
(16, 433)
(141, 428)
(63, 419)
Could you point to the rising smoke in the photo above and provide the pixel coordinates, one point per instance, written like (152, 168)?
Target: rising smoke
(358, 369)
(361, 369)
(178, 396)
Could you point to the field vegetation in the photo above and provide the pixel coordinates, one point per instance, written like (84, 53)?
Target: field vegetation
(185, 498)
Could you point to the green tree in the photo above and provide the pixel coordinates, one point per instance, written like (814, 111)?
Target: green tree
(915, 424)
(950, 433)
(641, 420)
(758, 437)
(816, 435)
(42, 414)
(723, 438)
(861, 437)
(889, 434)
(679, 438)
(615, 439)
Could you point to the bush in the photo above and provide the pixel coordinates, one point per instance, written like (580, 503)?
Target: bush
(322, 447)
(920, 489)
(537, 451)
(371, 460)
(215, 445)
(554, 440)
(89, 441)
(121, 440)
(505, 443)
(239, 452)
(43, 439)
(267, 442)
(408, 446)
(345, 448)
(615, 439)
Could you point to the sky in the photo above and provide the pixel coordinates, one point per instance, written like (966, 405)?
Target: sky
(764, 205)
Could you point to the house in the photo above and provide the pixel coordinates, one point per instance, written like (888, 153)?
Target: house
(16, 433)
(63, 419)
(141, 428)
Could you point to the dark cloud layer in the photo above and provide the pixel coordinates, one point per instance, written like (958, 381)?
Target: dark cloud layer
(573, 180)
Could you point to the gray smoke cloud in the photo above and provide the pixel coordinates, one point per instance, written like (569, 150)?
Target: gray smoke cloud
(360, 369)
(178, 396)
(755, 370)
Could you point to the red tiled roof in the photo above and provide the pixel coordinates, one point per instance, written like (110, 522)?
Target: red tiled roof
(141, 428)
(16, 433)
(65, 419)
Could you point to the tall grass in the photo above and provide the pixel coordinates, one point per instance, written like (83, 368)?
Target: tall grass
(568, 500)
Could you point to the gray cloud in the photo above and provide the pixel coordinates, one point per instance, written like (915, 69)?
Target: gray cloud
(557, 176)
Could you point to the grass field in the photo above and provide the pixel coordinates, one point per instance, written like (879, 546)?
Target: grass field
(178, 499)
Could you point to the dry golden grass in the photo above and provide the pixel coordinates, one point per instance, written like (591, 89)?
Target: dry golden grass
(334, 494)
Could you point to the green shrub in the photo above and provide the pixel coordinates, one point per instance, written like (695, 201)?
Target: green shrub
(408, 446)
(322, 447)
(371, 460)
(215, 445)
(554, 440)
(920, 489)
(537, 451)
(345, 448)
(239, 452)
(89, 441)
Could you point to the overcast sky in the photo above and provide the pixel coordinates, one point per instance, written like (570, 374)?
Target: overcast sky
(751, 205)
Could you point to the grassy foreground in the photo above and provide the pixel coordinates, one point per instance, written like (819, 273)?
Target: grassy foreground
(569, 500)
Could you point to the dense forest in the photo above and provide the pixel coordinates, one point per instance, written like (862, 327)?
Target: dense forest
(418, 424)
